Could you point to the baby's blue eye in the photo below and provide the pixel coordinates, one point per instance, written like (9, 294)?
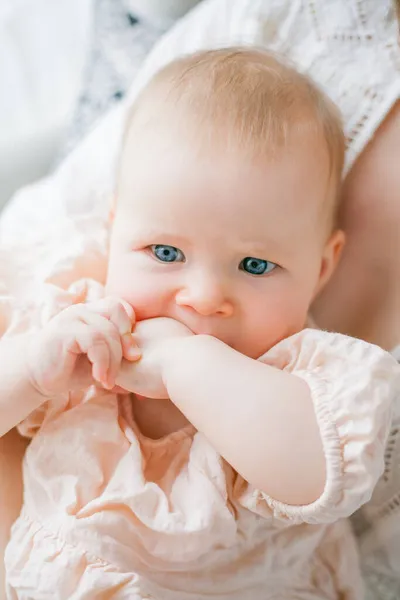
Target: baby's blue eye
(167, 253)
(257, 266)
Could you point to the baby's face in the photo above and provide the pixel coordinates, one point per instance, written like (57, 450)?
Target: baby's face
(228, 247)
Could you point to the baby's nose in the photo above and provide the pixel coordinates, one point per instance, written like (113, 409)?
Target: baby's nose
(207, 295)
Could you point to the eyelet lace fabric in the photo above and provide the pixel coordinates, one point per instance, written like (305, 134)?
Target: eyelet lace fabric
(378, 523)
(120, 44)
(350, 47)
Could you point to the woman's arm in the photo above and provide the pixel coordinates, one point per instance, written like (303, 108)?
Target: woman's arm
(12, 450)
(259, 418)
(362, 298)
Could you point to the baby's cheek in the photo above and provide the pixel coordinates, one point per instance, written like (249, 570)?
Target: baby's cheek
(283, 319)
(146, 302)
(145, 310)
(291, 313)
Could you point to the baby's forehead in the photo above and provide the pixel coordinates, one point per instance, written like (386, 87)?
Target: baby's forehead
(235, 102)
(183, 186)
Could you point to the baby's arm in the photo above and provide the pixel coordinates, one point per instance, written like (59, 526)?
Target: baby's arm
(18, 396)
(261, 419)
(306, 431)
(305, 426)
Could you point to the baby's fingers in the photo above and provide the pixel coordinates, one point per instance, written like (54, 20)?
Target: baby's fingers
(119, 312)
(124, 323)
(122, 315)
(101, 342)
(99, 355)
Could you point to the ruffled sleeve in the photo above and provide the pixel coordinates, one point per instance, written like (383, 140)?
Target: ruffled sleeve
(352, 386)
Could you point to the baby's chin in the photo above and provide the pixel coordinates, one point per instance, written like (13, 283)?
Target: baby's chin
(253, 351)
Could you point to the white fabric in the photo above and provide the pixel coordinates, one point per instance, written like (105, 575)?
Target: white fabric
(43, 47)
(348, 46)
(380, 544)
(161, 13)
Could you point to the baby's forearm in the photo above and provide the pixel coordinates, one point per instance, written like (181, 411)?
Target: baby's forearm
(18, 397)
(260, 419)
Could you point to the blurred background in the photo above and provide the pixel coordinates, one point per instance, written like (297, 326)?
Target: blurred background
(63, 63)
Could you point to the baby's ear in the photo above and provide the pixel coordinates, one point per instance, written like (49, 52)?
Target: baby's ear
(330, 258)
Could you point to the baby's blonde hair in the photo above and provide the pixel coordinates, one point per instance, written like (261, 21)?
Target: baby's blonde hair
(249, 98)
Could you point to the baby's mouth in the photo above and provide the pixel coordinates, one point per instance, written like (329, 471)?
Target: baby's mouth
(218, 336)
(208, 328)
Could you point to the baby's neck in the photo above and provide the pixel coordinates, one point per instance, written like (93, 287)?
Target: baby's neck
(157, 418)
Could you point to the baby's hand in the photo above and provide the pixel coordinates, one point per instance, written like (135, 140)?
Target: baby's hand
(155, 338)
(85, 342)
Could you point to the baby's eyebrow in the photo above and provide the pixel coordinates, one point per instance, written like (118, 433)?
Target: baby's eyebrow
(152, 235)
(253, 248)
(253, 245)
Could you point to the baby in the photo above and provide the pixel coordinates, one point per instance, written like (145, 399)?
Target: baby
(216, 450)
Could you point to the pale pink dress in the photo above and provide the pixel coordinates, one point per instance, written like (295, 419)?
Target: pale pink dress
(109, 513)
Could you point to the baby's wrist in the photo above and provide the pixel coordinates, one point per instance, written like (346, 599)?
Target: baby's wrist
(31, 354)
(172, 352)
(179, 352)
(38, 367)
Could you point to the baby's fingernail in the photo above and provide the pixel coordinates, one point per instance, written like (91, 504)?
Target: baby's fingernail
(134, 353)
